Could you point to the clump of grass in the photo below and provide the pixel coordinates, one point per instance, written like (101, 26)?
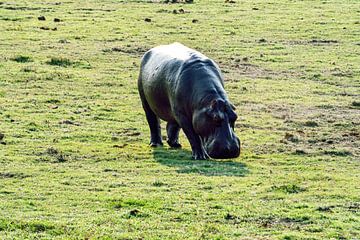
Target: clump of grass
(33, 227)
(22, 59)
(290, 188)
(52, 101)
(339, 153)
(56, 154)
(229, 216)
(303, 219)
(311, 124)
(158, 184)
(28, 69)
(316, 76)
(33, 127)
(291, 137)
(61, 62)
(324, 208)
(65, 62)
(300, 152)
(135, 213)
(13, 175)
(178, 1)
(123, 203)
(355, 104)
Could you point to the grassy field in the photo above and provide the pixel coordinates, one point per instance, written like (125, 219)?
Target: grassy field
(74, 156)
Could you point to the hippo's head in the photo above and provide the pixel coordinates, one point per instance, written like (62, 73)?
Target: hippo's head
(215, 125)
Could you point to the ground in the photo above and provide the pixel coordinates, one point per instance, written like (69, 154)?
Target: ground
(74, 156)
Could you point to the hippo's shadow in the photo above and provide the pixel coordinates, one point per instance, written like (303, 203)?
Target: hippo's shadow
(181, 159)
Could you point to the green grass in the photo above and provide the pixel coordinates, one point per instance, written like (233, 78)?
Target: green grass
(74, 158)
(22, 59)
(62, 62)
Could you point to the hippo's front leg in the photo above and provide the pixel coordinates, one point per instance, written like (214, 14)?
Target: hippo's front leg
(198, 152)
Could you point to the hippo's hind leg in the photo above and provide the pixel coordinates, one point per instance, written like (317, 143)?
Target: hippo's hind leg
(154, 124)
(153, 121)
(173, 129)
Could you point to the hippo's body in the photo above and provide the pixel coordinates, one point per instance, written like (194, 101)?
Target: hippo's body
(185, 88)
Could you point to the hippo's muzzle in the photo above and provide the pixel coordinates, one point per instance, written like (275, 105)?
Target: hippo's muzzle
(223, 148)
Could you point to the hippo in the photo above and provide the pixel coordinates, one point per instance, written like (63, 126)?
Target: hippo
(186, 89)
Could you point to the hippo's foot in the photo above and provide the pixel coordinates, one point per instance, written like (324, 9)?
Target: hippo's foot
(172, 129)
(156, 144)
(174, 144)
(201, 155)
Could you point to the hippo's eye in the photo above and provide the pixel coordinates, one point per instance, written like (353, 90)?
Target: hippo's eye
(217, 118)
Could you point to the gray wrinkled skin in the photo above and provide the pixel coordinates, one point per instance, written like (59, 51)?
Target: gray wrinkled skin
(185, 88)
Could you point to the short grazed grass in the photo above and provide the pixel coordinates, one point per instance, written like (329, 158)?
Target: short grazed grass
(74, 155)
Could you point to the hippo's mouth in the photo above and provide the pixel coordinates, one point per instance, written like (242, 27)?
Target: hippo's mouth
(222, 149)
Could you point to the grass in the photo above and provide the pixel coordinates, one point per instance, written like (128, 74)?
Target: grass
(74, 155)
(62, 62)
(22, 59)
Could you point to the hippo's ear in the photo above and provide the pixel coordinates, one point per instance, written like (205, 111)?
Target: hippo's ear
(210, 110)
(232, 114)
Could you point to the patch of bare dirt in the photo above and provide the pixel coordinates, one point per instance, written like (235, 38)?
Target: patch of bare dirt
(175, 1)
(322, 41)
(125, 135)
(332, 131)
(180, 11)
(120, 145)
(242, 66)
(53, 155)
(313, 42)
(131, 132)
(246, 70)
(69, 122)
(21, 8)
(269, 221)
(12, 175)
(95, 9)
(131, 50)
(290, 137)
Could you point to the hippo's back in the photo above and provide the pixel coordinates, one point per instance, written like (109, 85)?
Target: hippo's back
(160, 74)
(177, 51)
(167, 59)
